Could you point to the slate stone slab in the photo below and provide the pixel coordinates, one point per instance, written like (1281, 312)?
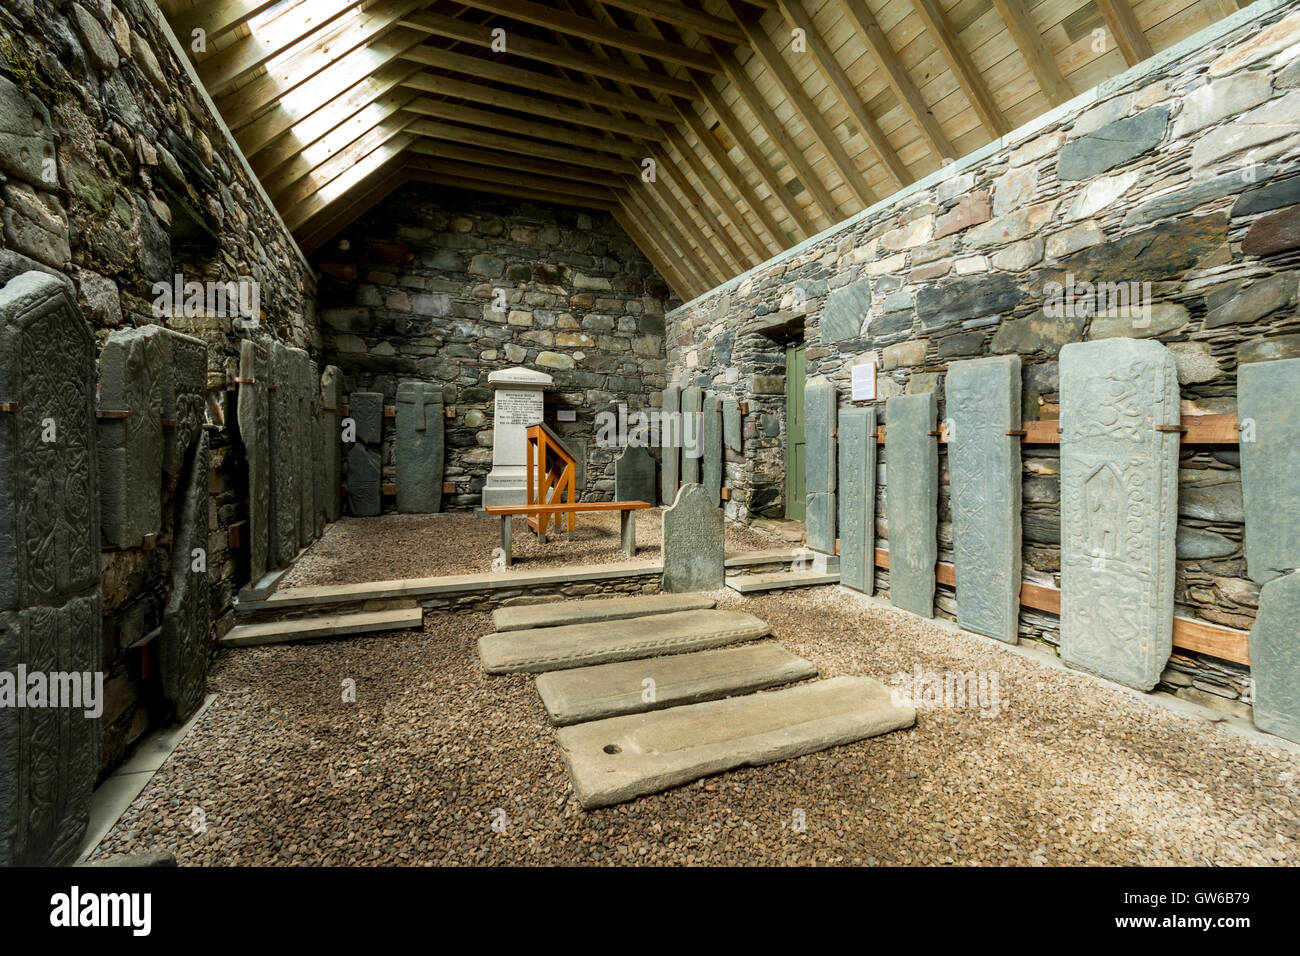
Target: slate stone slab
(632, 687)
(1119, 508)
(1275, 658)
(844, 311)
(284, 451)
(634, 475)
(419, 447)
(819, 464)
(253, 410)
(912, 460)
(186, 627)
(670, 452)
(580, 645)
(711, 459)
(1268, 403)
(732, 436)
(131, 435)
(614, 760)
(1112, 145)
(50, 616)
(857, 499)
(367, 410)
(527, 616)
(692, 434)
(184, 381)
(331, 397)
(365, 482)
(306, 389)
(983, 404)
(693, 548)
(940, 306)
(311, 438)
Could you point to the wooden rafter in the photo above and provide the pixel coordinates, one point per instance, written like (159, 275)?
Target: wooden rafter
(474, 137)
(303, 203)
(577, 193)
(1130, 39)
(440, 109)
(218, 17)
(347, 141)
(367, 196)
(684, 17)
(963, 70)
(289, 192)
(651, 250)
(1030, 43)
(488, 157)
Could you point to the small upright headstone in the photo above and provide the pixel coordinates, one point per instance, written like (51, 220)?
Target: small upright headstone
(1275, 658)
(820, 403)
(50, 616)
(131, 434)
(670, 442)
(1268, 407)
(305, 393)
(184, 381)
(711, 436)
(1119, 507)
(518, 404)
(419, 447)
(692, 434)
(184, 645)
(693, 543)
(253, 413)
(331, 397)
(984, 466)
(912, 490)
(634, 475)
(857, 499)
(731, 425)
(365, 482)
(284, 471)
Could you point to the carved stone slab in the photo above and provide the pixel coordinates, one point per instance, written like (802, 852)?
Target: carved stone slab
(711, 459)
(1268, 406)
(131, 435)
(819, 466)
(186, 633)
(912, 463)
(732, 436)
(364, 464)
(670, 451)
(311, 439)
(419, 447)
(331, 394)
(254, 431)
(693, 430)
(693, 549)
(983, 404)
(367, 410)
(284, 471)
(49, 551)
(184, 381)
(305, 392)
(634, 475)
(1119, 508)
(857, 497)
(1275, 657)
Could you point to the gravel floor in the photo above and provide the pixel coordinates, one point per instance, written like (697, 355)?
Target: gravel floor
(434, 751)
(357, 550)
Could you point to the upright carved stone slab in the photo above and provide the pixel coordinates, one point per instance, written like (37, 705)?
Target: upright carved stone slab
(184, 644)
(912, 493)
(284, 471)
(311, 438)
(1268, 406)
(711, 460)
(49, 552)
(693, 434)
(819, 467)
(670, 444)
(731, 425)
(305, 390)
(1119, 508)
(254, 431)
(131, 435)
(184, 381)
(419, 447)
(331, 425)
(857, 498)
(364, 463)
(984, 467)
(693, 543)
(1275, 657)
(634, 475)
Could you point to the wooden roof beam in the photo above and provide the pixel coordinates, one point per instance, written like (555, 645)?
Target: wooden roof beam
(1130, 39)
(485, 157)
(665, 162)
(307, 203)
(216, 18)
(338, 141)
(440, 109)
(666, 232)
(684, 17)
(368, 195)
(463, 180)
(963, 70)
(663, 265)
(461, 134)
(513, 177)
(758, 249)
(1031, 46)
(301, 190)
(370, 169)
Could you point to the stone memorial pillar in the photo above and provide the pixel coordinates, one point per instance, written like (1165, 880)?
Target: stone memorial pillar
(692, 435)
(253, 411)
(693, 545)
(365, 462)
(857, 499)
(670, 441)
(912, 499)
(331, 430)
(820, 405)
(131, 367)
(284, 472)
(184, 645)
(518, 404)
(1119, 508)
(419, 447)
(634, 475)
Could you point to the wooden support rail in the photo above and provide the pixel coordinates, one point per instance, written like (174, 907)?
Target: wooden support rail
(1195, 430)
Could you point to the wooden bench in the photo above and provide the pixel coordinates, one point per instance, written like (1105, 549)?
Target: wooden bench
(627, 519)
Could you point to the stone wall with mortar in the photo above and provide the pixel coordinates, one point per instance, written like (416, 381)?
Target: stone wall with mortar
(1184, 172)
(115, 173)
(447, 286)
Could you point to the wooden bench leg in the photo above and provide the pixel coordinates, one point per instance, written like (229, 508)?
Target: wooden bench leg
(627, 529)
(505, 540)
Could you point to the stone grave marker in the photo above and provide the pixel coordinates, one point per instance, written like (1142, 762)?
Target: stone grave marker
(731, 425)
(911, 495)
(419, 447)
(253, 411)
(1275, 657)
(983, 404)
(365, 484)
(331, 425)
(670, 439)
(518, 404)
(692, 434)
(131, 435)
(1268, 407)
(634, 475)
(1119, 507)
(186, 627)
(711, 459)
(857, 499)
(284, 472)
(820, 406)
(693, 546)
(184, 381)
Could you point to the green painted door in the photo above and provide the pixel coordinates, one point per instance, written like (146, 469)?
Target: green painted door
(795, 446)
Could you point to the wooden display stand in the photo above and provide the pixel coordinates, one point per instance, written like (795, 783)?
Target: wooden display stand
(551, 474)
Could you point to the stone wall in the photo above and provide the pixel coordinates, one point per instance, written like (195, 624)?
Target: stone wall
(1183, 173)
(446, 286)
(115, 173)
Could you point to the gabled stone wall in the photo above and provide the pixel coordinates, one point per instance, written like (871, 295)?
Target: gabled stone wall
(1184, 172)
(446, 286)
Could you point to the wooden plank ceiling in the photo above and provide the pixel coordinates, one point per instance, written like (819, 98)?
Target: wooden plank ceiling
(765, 121)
